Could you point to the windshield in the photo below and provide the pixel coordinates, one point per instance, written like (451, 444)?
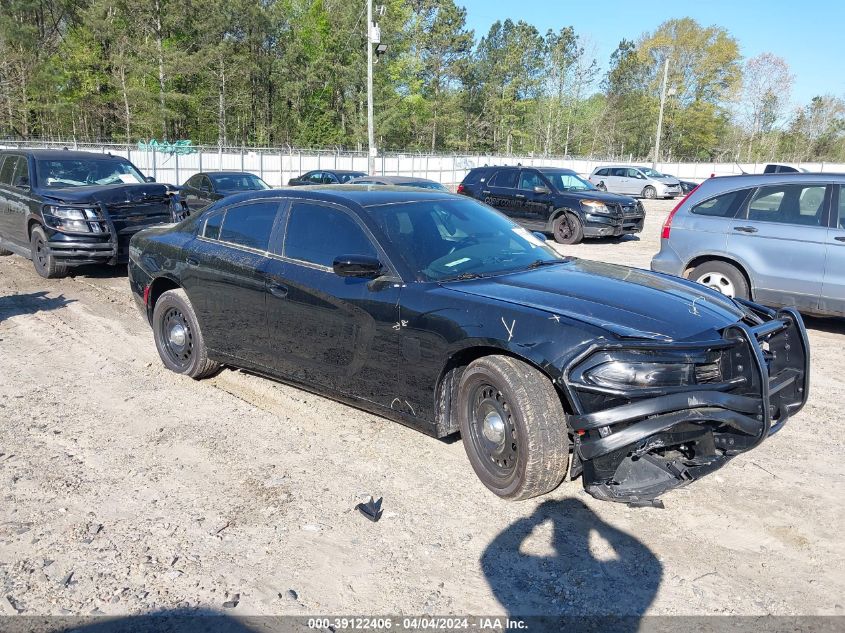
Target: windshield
(648, 171)
(239, 182)
(86, 172)
(450, 239)
(567, 181)
(423, 185)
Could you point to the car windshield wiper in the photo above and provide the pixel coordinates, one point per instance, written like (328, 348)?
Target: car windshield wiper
(544, 262)
(464, 276)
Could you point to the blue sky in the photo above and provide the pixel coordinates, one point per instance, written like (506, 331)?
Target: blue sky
(809, 35)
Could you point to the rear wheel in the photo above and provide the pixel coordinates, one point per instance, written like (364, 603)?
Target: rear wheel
(650, 192)
(567, 229)
(42, 257)
(513, 427)
(178, 336)
(723, 277)
(4, 252)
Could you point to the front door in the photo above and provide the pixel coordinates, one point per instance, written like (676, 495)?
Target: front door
(224, 277)
(336, 332)
(833, 286)
(535, 205)
(781, 238)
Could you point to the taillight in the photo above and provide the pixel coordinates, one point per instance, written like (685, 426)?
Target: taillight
(461, 188)
(667, 225)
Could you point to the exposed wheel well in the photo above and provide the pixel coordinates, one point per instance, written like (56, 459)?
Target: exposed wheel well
(158, 287)
(30, 225)
(556, 213)
(718, 258)
(450, 378)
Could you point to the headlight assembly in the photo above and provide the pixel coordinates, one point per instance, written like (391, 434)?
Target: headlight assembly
(622, 374)
(594, 206)
(72, 219)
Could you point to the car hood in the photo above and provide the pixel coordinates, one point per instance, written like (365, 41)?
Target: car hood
(603, 196)
(668, 180)
(107, 194)
(628, 302)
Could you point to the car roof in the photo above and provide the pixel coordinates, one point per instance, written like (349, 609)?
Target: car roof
(390, 179)
(358, 195)
(231, 172)
(56, 154)
(337, 171)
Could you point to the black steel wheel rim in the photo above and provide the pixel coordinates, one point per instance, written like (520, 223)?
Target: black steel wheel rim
(177, 337)
(564, 228)
(40, 253)
(493, 432)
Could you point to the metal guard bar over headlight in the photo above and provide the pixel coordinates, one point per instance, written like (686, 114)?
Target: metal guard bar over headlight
(766, 381)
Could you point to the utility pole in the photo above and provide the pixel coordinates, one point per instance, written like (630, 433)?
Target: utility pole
(660, 116)
(371, 135)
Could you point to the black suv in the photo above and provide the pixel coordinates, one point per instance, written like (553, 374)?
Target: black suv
(555, 201)
(62, 208)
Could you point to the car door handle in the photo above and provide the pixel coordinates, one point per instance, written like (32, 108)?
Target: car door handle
(193, 263)
(485, 191)
(841, 238)
(745, 229)
(278, 290)
(519, 195)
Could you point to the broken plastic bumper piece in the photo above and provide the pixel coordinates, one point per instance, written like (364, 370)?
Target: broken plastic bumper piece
(656, 416)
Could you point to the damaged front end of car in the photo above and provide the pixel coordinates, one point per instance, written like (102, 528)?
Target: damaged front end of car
(650, 417)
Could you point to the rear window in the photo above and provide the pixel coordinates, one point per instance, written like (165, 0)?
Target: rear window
(7, 169)
(474, 176)
(723, 206)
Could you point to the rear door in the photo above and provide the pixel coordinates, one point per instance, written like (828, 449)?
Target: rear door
(781, 238)
(833, 287)
(501, 192)
(224, 277)
(617, 182)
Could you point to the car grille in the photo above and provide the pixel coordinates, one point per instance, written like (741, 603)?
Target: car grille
(630, 209)
(129, 218)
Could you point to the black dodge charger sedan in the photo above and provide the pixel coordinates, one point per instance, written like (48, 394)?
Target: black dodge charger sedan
(204, 188)
(439, 312)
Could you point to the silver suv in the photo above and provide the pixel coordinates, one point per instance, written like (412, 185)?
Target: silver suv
(635, 181)
(778, 239)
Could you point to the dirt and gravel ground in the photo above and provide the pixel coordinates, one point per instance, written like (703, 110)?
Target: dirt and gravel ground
(126, 489)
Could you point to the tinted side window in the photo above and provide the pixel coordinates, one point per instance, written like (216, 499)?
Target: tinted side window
(317, 234)
(250, 224)
(619, 172)
(21, 175)
(788, 204)
(841, 223)
(602, 172)
(473, 176)
(529, 179)
(315, 177)
(212, 226)
(192, 181)
(505, 178)
(7, 170)
(635, 173)
(724, 206)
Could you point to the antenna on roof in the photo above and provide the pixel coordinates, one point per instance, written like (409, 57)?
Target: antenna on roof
(742, 171)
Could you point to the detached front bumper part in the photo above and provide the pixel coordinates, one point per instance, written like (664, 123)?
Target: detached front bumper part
(640, 447)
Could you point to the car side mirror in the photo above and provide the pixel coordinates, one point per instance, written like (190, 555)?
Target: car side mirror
(540, 236)
(541, 189)
(149, 179)
(362, 266)
(23, 184)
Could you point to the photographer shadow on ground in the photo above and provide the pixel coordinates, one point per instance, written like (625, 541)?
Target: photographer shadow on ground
(30, 303)
(547, 564)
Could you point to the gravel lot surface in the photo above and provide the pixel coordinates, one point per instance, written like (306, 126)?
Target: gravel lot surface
(126, 488)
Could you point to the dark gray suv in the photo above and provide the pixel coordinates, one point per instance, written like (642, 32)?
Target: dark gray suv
(778, 239)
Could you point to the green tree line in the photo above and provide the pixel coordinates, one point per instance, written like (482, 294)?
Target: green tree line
(292, 72)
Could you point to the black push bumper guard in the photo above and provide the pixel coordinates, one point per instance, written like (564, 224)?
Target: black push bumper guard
(105, 244)
(634, 452)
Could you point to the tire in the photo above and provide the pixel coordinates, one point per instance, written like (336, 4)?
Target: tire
(522, 408)
(178, 336)
(42, 258)
(5, 253)
(567, 229)
(721, 276)
(649, 192)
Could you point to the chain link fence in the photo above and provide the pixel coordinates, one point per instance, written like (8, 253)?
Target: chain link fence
(174, 164)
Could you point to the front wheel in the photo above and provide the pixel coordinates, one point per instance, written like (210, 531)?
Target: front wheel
(42, 257)
(723, 277)
(650, 192)
(567, 229)
(513, 427)
(178, 336)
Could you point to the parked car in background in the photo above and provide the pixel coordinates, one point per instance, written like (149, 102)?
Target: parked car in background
(437, 311)
(778, 239)
(555, 201)
(686, 185)
(783, 169)
(642, 182)
(203, 188)
(325, 177)
(398, 181)
(61, 208)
